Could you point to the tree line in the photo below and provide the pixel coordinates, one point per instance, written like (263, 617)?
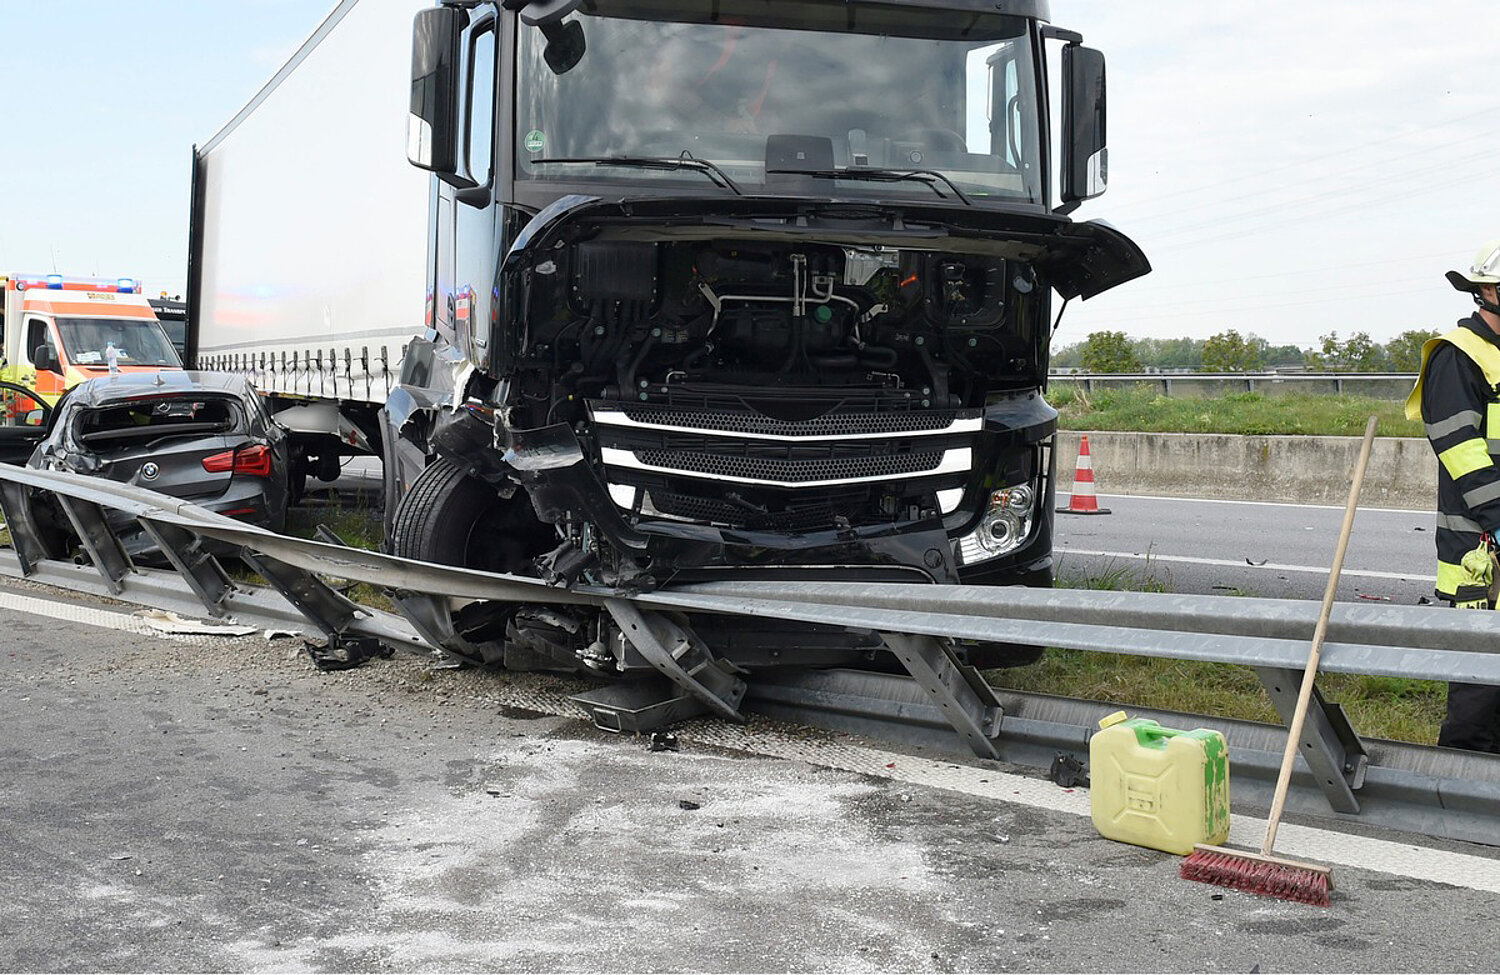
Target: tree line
(1229, 351)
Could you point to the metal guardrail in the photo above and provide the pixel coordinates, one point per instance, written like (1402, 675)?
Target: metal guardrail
(1406, 787)
(1380, 385)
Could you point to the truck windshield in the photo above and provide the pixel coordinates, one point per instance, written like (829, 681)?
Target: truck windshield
(139, 341)
(791, 86)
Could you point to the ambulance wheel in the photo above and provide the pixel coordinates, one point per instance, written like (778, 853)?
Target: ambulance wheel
(449, 517)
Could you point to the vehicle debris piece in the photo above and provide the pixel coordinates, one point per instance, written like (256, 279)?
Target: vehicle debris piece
(168, 622)
(1067, 771)
(346, 652)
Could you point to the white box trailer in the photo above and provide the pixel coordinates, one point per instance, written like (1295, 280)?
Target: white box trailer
(307, 259)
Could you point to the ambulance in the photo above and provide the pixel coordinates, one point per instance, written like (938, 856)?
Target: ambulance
(59, 331)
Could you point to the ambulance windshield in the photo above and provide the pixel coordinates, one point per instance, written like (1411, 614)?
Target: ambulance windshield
(135, 342)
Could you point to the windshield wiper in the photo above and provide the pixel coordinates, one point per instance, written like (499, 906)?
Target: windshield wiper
(666, 163)
(928, 177)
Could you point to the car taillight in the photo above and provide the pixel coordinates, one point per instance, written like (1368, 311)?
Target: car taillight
(255, 461)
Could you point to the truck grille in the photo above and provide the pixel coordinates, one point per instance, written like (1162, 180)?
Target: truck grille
(728, 463)
(809, 516)
(782, 471)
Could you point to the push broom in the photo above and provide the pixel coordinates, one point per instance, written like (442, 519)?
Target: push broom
(1264, 873)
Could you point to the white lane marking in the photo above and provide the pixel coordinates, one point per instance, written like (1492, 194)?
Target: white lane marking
(74, 613)
(1303, 842)
(92, 616)
(1241, 564)
(1266, 504)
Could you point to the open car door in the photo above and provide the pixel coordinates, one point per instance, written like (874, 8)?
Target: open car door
(25, 420)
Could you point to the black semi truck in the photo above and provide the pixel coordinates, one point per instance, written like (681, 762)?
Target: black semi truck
(722, 289)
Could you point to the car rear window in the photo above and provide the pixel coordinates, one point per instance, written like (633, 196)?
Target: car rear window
(159, 417)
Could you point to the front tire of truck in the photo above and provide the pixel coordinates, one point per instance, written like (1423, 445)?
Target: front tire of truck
(450, 517)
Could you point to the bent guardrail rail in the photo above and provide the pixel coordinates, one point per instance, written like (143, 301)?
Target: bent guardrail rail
(1436, 791)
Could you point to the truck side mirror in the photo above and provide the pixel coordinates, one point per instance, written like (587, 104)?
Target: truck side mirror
(432, 126)
(45, 359)
(1085, 160)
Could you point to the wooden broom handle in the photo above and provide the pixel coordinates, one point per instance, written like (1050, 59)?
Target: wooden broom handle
(1310, 675)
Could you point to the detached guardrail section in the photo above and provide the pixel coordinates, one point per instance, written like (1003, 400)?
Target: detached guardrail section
(1409, 787)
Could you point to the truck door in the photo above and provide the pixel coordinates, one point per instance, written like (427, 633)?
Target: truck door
(473, 209)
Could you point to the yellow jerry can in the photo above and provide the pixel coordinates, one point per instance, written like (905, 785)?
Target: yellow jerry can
(1158, 787)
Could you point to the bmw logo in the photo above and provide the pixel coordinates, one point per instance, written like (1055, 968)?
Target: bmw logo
(149, 471)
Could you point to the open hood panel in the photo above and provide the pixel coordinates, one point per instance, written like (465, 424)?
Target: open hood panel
(1077, 259)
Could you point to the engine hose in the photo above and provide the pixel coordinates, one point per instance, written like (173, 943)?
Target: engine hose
(939, 378)
(628, 370)
(835, 360)
(878, 355)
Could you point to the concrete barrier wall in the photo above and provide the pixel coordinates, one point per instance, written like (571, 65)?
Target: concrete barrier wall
(1307, 470)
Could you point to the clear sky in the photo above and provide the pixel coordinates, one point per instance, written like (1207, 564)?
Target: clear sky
(1289, 170)
(104, 100)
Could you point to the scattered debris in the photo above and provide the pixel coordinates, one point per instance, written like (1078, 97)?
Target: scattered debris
(122, 856)
(662, 741)
(1067, 771)
(274, 634)
(346, 653)
(1373, 598)
(165, 621)
(1215, 897)
(1424, 600)
(1250, 561)
(688, 804)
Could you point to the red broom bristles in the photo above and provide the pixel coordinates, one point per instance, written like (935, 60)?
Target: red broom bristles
(1257, 877)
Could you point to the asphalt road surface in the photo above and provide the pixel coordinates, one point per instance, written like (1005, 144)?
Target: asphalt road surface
(1253, 548)
(208, 804)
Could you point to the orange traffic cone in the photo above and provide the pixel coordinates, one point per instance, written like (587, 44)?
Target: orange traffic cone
(1083, 501)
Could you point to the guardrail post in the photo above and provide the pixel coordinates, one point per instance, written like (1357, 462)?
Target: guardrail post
(326, 609)
(960, 693)
(1330, 746)
(103, 548)
(687, 663)
(199, 569)
(15, 504)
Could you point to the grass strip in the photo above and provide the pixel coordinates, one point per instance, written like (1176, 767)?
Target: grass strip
(1403, 709)
(1142, 408)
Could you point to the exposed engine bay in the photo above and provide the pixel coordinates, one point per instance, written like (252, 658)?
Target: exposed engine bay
(813, 393)
(623, 320)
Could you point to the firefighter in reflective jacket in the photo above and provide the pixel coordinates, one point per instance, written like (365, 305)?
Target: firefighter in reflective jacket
(1457, 397)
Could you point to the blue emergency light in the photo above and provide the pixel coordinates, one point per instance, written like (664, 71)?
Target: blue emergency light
(125, 286)
(54, 281)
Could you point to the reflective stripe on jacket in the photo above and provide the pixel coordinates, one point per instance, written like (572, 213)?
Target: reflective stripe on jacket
(1457, 396)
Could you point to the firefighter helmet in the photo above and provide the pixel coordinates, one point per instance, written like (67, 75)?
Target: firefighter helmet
(1485, 270)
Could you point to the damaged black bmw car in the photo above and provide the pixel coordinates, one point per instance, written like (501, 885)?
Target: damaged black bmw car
(204, 437)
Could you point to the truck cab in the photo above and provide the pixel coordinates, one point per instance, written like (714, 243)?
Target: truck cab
(59, 331)
(730, 289)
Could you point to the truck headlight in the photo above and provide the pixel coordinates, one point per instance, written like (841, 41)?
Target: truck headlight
(1004, 527)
